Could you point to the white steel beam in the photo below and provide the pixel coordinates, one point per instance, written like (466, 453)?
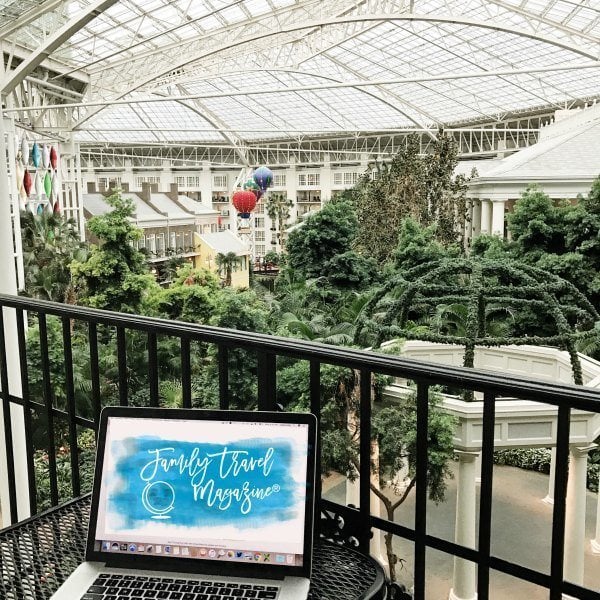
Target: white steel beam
(334, 84)
(12, 79)
(178, 57)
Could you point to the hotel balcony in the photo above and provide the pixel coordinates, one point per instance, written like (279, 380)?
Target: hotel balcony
(477, 545)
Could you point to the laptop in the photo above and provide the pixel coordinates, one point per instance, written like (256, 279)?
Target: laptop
(199, 505)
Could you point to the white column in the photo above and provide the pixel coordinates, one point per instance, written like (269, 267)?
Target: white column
(205, 176)
(596, 540)
(486, 216)
(476, 219)
(549, 499)
(291, 188)
(8, 285)
(498, 217)
(464, 586)
(575, 515)
(325, 172)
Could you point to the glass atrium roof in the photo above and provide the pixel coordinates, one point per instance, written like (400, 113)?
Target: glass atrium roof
(235, 71)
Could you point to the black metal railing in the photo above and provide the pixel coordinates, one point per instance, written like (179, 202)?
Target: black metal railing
(267, 350)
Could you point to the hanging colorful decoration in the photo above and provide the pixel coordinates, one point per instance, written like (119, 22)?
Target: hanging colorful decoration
(55, 185)
(47, 185)
(53, 157)
(24, 151)
(36, 155)
(263, 176)
(46, 156)
(244, 202)
(27, 183)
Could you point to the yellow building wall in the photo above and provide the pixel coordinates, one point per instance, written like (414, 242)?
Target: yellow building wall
(206, 259)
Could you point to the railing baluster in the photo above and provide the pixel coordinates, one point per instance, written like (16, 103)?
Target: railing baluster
(364, 534)
(186, 373)
(485, 501)
(47, 393)
(8, 437)
(153, 368)
(559, 509)
(71, 409)
(122, 362)
(223, 358)
(267, 384)
(421, 489)
(95, 373)
(315, 409)
(26, 409)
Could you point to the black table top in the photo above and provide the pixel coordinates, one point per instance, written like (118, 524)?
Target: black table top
(38, 554)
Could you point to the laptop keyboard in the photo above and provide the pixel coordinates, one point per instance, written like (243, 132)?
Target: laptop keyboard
(112, 587)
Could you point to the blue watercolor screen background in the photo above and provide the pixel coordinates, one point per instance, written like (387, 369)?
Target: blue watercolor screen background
(173, 491)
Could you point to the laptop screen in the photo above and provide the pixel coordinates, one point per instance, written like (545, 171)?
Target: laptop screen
(231, 491)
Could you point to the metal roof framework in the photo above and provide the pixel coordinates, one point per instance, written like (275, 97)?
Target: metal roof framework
(244, 72)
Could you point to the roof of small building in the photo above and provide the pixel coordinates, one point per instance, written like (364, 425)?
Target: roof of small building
(224, 242)
(196, 207)
(165, 205)
(95, 204)
(574, 154)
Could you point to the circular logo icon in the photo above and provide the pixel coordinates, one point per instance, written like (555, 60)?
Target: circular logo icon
(158, 499)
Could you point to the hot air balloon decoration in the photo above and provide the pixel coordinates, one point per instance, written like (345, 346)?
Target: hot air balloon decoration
(251, 186)
(244, 202)
(263, 176)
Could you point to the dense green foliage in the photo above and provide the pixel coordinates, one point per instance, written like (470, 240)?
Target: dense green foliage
(50, 244)
(422, 187)
(115, 275)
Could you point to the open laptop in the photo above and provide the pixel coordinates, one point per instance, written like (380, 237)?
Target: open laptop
(199, 505)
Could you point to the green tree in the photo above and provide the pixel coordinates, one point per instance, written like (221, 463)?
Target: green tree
(225, 263)
(278, 208)
(192, 296)
(115, 275)
(422, 187)
(393, 429)
(320, 238)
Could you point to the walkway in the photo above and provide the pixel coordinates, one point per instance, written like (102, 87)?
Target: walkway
(521, 527)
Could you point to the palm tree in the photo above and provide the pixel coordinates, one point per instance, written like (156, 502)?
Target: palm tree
(278, 208)
(225, 263)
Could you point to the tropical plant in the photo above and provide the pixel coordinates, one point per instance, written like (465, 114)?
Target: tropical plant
(50, 243)
(278, 208)
(225, 263)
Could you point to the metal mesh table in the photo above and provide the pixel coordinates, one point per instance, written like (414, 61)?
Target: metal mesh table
(38, 554)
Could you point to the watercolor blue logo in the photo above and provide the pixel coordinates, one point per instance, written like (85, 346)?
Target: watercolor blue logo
(244, 483)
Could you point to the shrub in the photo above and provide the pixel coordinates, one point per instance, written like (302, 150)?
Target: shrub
(87, 451)
(538, 459)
